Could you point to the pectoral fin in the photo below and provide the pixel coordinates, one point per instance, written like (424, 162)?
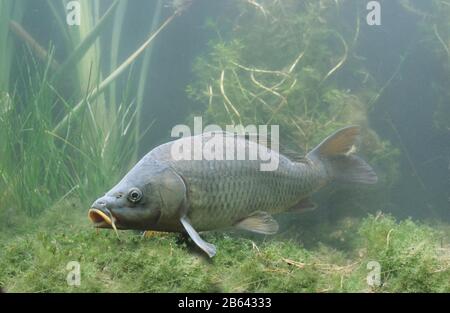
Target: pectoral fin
(259, 222)
(210, 249)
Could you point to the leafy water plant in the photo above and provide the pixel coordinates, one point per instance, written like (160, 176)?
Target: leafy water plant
(294, 64)
(412, 256)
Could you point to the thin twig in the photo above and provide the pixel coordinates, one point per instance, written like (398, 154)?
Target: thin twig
(227, 100)
(341, 62)
(258, 6)
(259, 70)
(441, 40)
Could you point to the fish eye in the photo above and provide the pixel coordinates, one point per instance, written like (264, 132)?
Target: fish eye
(134, 195)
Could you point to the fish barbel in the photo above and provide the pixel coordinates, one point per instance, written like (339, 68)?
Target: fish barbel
(165, 193)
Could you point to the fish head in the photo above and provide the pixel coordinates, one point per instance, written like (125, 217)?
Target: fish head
(127, 207)
(140, 199)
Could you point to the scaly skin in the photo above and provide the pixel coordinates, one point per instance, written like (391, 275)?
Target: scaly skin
(220, 193)
(185, 192)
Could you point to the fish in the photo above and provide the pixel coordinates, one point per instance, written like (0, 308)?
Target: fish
(171, 194)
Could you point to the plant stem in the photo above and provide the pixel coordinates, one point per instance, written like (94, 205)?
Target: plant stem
(114, 74)
(41, 53)
(143, 77)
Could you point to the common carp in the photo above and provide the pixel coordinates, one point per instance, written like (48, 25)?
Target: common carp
(164, 193)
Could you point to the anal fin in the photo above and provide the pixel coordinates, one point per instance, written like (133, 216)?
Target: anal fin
(210, 249)
(259, 222)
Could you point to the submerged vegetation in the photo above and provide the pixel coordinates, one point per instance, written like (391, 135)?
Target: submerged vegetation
(66, 131)
(293, 64)
(437, 27)
(413, 257)
(71, 123)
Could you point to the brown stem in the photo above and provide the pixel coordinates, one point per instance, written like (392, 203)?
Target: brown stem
(41, 53)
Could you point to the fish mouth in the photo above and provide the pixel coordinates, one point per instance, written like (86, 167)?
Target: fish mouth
(99, 218)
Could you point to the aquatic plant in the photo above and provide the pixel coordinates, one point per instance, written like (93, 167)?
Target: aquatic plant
(61, 137)
(440, 28)
(412, 256)
(39, 167)
(434, 22)
(9, 10)
(294, 64)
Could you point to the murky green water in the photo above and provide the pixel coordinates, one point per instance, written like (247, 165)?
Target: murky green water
(87, 88)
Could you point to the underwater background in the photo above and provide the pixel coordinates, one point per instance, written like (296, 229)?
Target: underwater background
(81, 104)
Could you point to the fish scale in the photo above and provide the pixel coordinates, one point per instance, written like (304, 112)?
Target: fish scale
(223, 192)
(167, 193)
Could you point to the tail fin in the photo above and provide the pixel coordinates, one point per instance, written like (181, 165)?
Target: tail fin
(335, 150)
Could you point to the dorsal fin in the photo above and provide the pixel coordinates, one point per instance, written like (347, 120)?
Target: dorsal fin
(338, 143)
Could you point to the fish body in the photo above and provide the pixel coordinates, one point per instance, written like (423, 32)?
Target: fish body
(220, 193)
(165, 193)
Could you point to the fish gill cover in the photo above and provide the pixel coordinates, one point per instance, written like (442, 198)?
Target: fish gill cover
(81, 104)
